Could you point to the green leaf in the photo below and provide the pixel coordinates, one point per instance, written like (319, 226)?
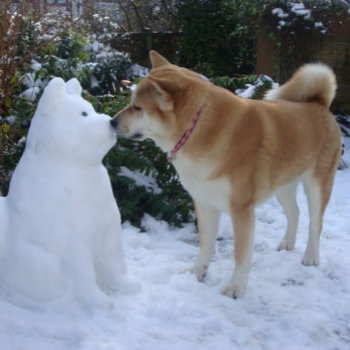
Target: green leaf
(13, 80)
(7, 102)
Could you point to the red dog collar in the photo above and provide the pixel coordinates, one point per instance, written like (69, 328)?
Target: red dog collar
(184, 136)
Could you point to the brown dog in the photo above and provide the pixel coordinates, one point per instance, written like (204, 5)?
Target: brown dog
(232, 154)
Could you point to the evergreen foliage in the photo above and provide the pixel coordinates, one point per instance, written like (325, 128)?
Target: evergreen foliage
(219, 36)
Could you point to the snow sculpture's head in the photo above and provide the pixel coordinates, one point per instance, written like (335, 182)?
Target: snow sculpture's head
(66, 127)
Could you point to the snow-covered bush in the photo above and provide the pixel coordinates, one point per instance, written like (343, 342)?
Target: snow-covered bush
(256, 89)
(108, 73)
(146, 183)
(100, 27)
(297, 30)
(310, 14)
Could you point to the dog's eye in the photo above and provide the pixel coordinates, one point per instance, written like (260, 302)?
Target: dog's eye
(84, 114)
(137, 108)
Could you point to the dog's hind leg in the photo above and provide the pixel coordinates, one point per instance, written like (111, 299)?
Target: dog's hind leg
(286, 196)
(243, 224)
(318, 184)
(318, 191)
(316, 211)
(208, 222)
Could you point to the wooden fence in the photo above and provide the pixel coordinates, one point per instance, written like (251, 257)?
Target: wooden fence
(332, 48)
(138, 45)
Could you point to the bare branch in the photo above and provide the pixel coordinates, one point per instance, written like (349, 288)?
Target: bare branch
(138, 15)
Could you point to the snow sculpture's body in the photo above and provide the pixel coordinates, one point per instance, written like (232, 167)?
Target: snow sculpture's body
(60, 233)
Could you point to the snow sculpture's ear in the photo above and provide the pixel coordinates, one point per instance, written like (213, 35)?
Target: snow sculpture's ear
(73, 87)
(157, 59)
(52, 97)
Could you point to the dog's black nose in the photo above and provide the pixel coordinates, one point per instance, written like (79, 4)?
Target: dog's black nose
(114, 122)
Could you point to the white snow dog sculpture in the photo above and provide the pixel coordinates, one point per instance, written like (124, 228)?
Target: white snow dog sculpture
(60, 232)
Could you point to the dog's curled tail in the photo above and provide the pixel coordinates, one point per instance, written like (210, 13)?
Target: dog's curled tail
(313, 82)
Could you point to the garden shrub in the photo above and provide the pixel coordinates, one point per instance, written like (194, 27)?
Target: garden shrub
(109, 72)
(234, 83)
(12, 132)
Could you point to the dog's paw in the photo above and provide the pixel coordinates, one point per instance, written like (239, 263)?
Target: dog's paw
(286, 245)
(311, 260)
(311, 256)
(199, 271)
(233, 291)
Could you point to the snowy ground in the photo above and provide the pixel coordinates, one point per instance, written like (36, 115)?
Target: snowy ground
(287, 306)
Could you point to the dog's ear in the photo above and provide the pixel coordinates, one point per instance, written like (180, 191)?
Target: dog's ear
(163, 97)
(157, 60)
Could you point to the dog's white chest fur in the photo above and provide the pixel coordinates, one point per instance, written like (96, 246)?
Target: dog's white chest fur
(196, 180)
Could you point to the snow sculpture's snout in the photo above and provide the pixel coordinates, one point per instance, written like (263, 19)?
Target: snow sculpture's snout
(114, 122)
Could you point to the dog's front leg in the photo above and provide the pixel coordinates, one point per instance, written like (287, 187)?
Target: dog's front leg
(208, 221)
(243, 224)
